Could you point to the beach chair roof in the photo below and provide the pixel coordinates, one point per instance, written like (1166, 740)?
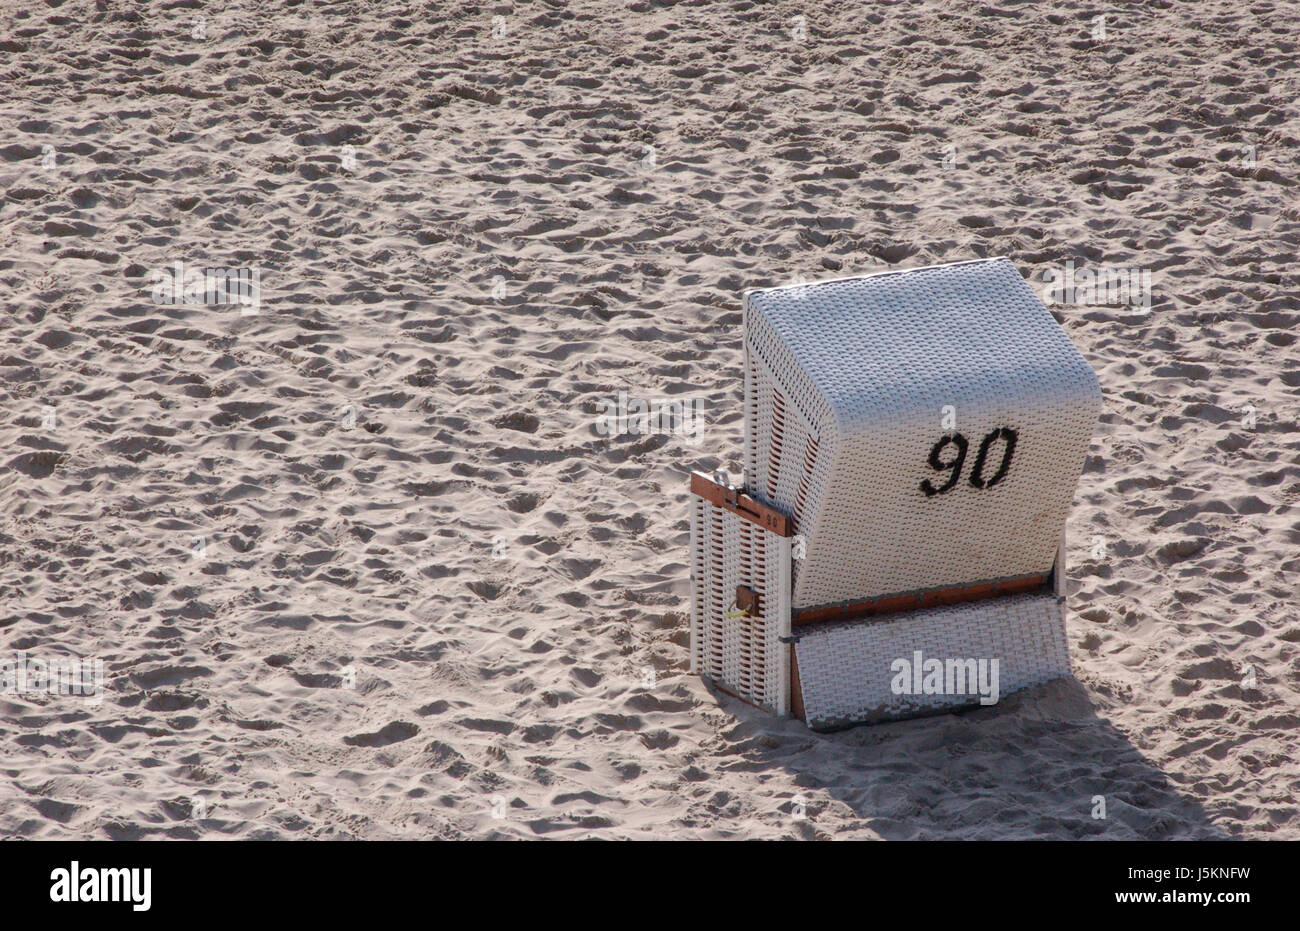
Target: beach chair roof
(855, 388)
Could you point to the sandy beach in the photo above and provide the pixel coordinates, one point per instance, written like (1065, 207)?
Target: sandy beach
(358, 558)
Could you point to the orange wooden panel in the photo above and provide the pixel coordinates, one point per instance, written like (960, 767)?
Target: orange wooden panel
(743, 505)
(911, 601)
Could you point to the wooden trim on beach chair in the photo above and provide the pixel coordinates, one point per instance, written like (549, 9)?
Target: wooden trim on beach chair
(741, 504)
(912, 601)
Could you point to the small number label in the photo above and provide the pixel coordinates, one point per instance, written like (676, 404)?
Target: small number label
(949, 455)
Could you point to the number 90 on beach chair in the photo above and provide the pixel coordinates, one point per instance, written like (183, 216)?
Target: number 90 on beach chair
(896, 548)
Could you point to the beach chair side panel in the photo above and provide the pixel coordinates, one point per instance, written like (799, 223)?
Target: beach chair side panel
(740, 648)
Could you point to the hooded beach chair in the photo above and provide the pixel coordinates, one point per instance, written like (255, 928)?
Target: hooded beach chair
(896, 547)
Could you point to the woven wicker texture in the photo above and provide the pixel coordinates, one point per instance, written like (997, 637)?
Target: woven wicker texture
(847, 669)
(742, 653)
(845, 388)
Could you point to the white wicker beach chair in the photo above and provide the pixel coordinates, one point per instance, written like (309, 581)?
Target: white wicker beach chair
(912, 444)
